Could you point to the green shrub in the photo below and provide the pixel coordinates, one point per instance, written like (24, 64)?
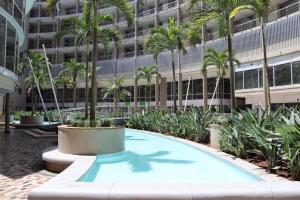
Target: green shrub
(193, 123)
(105, 122)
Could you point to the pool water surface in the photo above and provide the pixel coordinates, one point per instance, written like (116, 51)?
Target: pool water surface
(152, 158)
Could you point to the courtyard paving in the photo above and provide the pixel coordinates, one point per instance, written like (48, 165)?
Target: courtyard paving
(21, 166)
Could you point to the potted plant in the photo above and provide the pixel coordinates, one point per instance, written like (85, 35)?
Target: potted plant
(39, 69)
(118, 93)
(81, 139)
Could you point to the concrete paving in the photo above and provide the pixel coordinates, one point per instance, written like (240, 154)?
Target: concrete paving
(21, 165)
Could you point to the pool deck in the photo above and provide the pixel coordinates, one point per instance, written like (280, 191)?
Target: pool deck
(21, 165)
(65, 187)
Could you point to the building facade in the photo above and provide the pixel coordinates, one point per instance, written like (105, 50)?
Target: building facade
(283, 38)
(12, 37)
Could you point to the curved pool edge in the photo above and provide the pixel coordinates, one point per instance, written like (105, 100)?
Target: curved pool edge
(64, 186)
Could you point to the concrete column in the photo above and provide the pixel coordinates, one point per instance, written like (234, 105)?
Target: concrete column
(7, 113)
(163, 92)
(156, 24)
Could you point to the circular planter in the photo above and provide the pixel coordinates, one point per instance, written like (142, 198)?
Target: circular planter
(118, 121)
(32, 120)
(91, 141)
(215, 130)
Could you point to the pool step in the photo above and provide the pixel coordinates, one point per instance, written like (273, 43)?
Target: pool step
(37, 133)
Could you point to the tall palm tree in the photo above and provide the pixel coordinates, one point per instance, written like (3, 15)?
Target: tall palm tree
(115, 89)
(219, 11)
(124, 7)
(75, 69)
(220, 60)
(39, 68)
(196, 35)
(63, 80)
(147, 73)
(262, 8)
(170, 38)
(154, 48)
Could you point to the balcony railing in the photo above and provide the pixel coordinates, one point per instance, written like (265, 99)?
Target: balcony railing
(167, 6)
(147, 12)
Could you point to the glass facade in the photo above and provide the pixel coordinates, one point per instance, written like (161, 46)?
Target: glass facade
(8, 37)
(279, 75)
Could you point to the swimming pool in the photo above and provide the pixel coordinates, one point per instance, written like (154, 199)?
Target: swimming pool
(153, 158)
(155, 166)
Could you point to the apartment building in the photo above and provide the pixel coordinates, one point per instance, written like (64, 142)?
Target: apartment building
(283, 37)
(12, 38)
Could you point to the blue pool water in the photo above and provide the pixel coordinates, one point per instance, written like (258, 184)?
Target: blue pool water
(151, 158)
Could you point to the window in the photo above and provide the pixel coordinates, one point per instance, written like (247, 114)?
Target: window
(251, 79)
(239, 80)
(270, 72)
(296, 72)
(282, 74)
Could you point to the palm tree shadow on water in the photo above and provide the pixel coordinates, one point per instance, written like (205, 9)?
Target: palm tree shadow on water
(131, 138)
(138, 162)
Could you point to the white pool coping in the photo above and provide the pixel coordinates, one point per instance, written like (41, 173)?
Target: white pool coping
(64, 185)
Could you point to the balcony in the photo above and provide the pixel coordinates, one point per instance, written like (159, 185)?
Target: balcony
(168, 6)
(147, 12)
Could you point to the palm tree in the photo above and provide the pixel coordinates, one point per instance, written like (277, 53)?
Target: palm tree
(75, 69)
(262, 8)
(196, 35)
(40, 71)
(147, 73)
(124, 7)
(115, 89)
(220, 12)
(220, 60)
(170, 38)
(81, 29)
(151, 46)
(63, 80)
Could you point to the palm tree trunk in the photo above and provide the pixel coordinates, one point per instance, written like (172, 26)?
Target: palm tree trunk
(149, 98)
(204, 89)
(32, 98)
(135, 93)
(63, 95)
(156, 86)
(94, 65)
(267, 97)
(231, 68)
(86, 105)
(221, 92)
(174, 81)
(7, 113)
(74, 91)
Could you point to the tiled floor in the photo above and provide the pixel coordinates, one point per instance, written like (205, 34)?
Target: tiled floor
(21, 167)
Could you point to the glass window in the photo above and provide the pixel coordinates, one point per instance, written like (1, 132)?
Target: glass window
(282, 74)
(296, 72)
(239, 80)
(251, 79)
(271, 83)
(2, 40)
(10, 48)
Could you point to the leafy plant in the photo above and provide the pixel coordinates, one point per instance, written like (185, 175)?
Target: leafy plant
(290, 132)
(105, 122)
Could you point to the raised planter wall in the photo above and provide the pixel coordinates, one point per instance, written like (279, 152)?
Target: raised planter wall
(32, 120)
(90, 141)
(215, 130)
